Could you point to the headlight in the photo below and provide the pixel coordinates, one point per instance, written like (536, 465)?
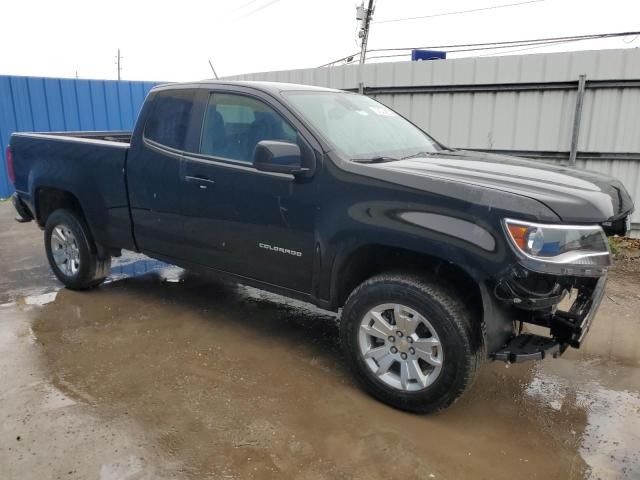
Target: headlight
(560, 249)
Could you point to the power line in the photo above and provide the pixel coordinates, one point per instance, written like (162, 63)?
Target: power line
(343, 59)
(515, 42)
(243, 5)
(468, 47)
(257, 9)
(536, 45)
(546, 44)
(459, 12)
(390, 56)
(499, 47)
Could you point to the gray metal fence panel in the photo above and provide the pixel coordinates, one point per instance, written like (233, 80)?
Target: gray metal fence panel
(521, 104)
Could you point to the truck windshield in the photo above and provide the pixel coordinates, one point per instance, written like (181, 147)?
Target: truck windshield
(361, 128)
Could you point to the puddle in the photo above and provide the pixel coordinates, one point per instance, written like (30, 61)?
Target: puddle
(217, 374)
(135, 264)
(255, 294)
(129, 265)
(610, 440)
(41, 299)
(240, 383)
(32, 292)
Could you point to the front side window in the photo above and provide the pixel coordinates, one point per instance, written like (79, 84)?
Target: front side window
(168, 121)
(359, 127)
(234, 124)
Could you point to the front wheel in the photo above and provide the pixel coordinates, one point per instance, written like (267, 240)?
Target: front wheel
(410, 341)
(71, 252)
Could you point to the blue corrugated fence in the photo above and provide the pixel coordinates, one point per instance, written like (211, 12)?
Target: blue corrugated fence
(36, 104)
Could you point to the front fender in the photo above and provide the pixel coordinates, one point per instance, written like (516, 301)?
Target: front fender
(476, 246)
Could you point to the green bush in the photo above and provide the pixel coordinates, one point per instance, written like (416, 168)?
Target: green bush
(613, 245)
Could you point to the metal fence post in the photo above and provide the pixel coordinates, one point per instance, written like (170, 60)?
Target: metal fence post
(577, 117)
(360, 79)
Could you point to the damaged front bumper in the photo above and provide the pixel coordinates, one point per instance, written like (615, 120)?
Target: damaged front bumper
(572, 326)
(540, 300)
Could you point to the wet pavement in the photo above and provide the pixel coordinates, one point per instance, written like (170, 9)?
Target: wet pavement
(163, 374)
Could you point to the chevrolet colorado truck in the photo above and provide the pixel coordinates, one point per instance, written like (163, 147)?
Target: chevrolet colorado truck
(435, 257)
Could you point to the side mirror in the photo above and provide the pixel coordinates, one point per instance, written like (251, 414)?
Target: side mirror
(278, 157)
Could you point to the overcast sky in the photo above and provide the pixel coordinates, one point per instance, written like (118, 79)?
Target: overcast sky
(173, 40)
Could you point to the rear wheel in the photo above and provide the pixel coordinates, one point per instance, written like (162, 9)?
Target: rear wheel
(72, 253)
(410, 341)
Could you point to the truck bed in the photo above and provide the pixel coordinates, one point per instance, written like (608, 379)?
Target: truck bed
(89, 165)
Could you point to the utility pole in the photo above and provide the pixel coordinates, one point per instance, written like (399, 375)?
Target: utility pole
(118, 59)
(364, 17)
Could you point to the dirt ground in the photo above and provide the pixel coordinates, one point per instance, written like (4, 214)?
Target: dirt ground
(162, 374)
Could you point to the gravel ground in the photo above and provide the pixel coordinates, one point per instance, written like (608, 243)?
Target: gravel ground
(162, 374)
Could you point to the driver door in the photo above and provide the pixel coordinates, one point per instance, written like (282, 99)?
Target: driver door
(237, 219)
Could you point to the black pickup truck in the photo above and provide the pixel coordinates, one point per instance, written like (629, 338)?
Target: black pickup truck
(436, 257)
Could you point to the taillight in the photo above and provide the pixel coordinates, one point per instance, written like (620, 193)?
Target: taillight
(10, 171)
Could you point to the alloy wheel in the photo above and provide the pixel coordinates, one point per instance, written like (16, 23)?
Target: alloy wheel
(400, 347)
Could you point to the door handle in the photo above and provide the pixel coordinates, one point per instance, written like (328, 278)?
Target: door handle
(200, 179)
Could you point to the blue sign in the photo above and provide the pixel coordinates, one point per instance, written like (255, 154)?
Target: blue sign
(427, 55)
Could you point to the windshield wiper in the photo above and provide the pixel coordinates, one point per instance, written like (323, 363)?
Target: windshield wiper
(419, 154)
(380, 159)
(440, 153)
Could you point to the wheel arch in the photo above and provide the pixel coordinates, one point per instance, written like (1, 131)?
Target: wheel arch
(354, 266)
(48, 199)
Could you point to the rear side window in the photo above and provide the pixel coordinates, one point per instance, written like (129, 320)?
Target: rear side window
(168, 121)
(234, 124)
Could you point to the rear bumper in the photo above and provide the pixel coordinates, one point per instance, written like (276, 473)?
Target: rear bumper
(24, 215)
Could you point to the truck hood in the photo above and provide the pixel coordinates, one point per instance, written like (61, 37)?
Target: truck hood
(575, 195)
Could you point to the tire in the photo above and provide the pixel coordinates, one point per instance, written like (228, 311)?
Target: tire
(71, 252)
(445, 331)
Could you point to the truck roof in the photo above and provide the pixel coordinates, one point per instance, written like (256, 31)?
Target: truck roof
(271, 87)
